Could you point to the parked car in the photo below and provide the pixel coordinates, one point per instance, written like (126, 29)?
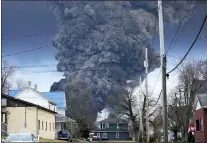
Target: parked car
(22, 137)
(64, 135)
(95, 138)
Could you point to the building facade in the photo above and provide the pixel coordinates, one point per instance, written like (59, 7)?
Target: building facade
(200, 118)
(113, 129)
(23, 116)
(32, 95)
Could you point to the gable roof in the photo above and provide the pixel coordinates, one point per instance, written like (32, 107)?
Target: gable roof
(27, 103)
(202, 99)
(57, 97)
(13, 92)
(50, 101)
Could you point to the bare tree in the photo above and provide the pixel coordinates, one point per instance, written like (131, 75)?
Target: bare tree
(181, 108)
(7, 73)
(21, 84)
(126, 105)
(80, 106)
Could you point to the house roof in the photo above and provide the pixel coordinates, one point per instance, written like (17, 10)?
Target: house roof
(202, 98)
(62, 118)
(57, 97)
(113, 120)
(27, 103)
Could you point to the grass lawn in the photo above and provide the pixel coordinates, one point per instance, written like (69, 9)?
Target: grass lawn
(51, 140)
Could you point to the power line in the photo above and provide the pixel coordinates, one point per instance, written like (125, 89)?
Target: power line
(33, 66)
(183, 29)
(156, 82)
(23, 37)
(190, 46)
(49, 71)
(30, 50)
(169, 47)
(158, 97)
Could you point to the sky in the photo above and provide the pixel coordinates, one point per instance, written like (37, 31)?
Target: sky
(26, 18)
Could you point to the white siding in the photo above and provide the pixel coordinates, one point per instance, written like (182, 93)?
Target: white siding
(61, 111)
(34, 97)
(198, 106)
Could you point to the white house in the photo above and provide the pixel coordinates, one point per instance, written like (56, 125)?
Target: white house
(33, 96)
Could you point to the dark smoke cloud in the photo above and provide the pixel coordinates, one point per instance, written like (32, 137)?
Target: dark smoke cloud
(102, 43)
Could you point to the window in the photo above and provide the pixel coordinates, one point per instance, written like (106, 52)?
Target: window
(130, 134)
(50, 126)
(201, 124)
(103, 126)
(98, 134)
(197, 125)
(107, 125)
(54, 108)
(46, 127)
(53, 127)
(38, 124)
(49, 106)
(117, 135)
(117, 125)
(104, 136)
(42, 125)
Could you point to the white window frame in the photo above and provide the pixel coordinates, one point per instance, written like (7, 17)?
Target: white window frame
(107, 125)
(103, 125)
(117, 135)
(98, 134)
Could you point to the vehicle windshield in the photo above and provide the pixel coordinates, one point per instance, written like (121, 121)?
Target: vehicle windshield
(19, 137)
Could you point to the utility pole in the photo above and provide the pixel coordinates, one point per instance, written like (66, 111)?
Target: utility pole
(147, 98)
(141, 106)
(163, 66)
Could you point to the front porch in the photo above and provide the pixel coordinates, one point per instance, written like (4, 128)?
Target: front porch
(64, 123)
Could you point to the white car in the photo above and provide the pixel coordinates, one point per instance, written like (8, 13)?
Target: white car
(22, 137)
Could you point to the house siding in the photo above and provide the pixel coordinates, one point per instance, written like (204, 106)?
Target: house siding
(17, 117)
(205, 124)
(34, 97)
(49, 118)
(61, 111)
(199, 135)
(112, 135)
(19, 112)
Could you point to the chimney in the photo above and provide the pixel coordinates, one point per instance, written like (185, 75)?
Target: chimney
(29, 83)
(35, 87)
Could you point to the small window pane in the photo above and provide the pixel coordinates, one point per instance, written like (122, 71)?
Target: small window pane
(117, 135)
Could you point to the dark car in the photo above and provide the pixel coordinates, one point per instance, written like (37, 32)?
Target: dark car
(64, 135)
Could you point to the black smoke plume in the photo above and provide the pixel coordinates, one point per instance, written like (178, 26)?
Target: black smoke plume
(102, 43)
